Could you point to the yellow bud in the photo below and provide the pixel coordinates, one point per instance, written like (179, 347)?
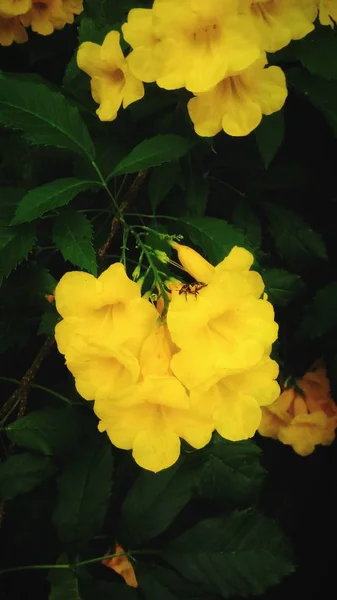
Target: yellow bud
(197, 266)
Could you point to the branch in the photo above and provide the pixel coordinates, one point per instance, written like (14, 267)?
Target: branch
(125, 204)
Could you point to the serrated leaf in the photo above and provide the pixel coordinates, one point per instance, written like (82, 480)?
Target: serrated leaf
(153, 152)
(269, 136)
(64, 583)
(319, 91)
(44, 116)
(83, 493)
(20, 473)
(156, 499)
(231, 472)
(48, 196)
(161, 582)
(93, 30)
(295, 241)
(321, 314)
(281, 286)
(317, 52)
(161, 182)
(72, 234)
(50, 431)
(197, 191)
(17, 249)
(9, 200)
(215, 237)
(245, 220)
(241, 554)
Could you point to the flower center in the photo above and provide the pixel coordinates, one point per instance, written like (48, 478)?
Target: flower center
(205, 34)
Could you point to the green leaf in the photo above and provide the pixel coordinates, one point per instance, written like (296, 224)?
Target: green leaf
(215, 237)
(231, 472)
(20, 473)
(10, 198)
(161, 582)
(317, 52)
(51, 431)
(48, 322)
(92, 30)
(321, 314)
(161, 182)
(269, 136)
(48, 196)
(107, 590)
(44, 116)
(294, 240)
(281, 286)
(72, 234)
(156, 499)
(319, 91)
(242, 554)
(83, 493)
(63, 582)
(17, 249)
(197, 191)
(245, 220)
(153, 152)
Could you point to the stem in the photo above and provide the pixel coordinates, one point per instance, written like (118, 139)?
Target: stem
(65, 566)
(40, 387)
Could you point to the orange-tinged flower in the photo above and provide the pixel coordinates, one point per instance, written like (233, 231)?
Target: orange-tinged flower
(122, 566)
(112, 83)
(277, 22)
(43, 15)
(13, 8)
(304, 416)
(11, 30)
(237, 103)
(327, 12)
(70, 8)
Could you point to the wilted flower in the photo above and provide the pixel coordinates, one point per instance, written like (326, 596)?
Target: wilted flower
(237, 103)
(327, 12)
(303, 416)
(14, 8)
(122, 566)
(112, 83)
(11, 30)
(43, 15)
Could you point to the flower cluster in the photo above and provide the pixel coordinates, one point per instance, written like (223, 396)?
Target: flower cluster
(43, 16)
(304, 415)
(215, 49)
(203, 364)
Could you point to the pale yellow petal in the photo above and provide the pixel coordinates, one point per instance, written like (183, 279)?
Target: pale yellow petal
(156, 449)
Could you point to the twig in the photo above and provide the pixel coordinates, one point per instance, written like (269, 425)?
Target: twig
(21, 393)
(125, 204)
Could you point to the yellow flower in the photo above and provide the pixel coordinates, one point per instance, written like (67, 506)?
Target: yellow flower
(43, 15)
(233, 400)
(196, 43)
(327, 12)
(226, 325)
(105, 322)
(14, 8)
(152, 416)
(304, 416)
(70, 8)
(143, 61)
(122, 566)
(112, 83)
(11, 30)
(237, 103)
(277, 22)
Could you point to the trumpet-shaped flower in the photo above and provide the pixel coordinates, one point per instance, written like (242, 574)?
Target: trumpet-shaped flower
(234, 399)
(112, 83)
(304, 416)
(13, 8)
(138, 31)
(70, 8)
(277, 22)
(196, 43)
(11, 30)
(327, 12)
(226, 325)
(151, 417)
(237, 103)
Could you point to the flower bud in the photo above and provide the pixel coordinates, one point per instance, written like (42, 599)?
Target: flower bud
(197, 266)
